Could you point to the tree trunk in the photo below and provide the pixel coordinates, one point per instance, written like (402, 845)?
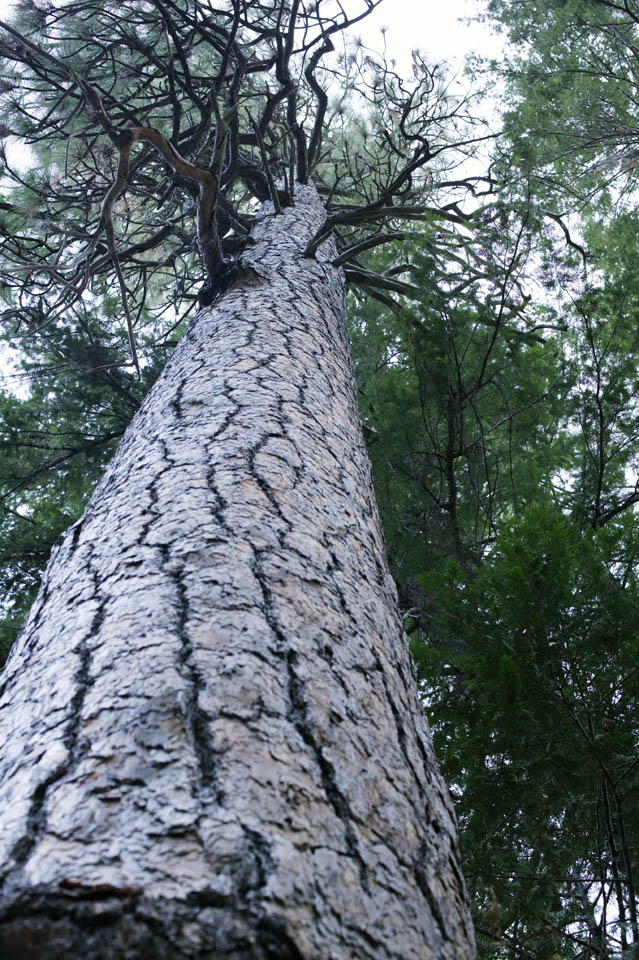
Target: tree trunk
(211, 740)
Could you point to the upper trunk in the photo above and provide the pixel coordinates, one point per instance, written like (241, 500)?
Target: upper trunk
(211, 741)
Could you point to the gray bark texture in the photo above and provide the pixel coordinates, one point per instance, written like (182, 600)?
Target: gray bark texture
(211, 743)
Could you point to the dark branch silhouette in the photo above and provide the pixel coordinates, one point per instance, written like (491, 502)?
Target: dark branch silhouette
(174, 124)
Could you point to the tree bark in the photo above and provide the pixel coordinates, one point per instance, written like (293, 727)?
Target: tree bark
(211, 740)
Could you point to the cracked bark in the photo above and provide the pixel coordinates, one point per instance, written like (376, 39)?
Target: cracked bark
(211, 743)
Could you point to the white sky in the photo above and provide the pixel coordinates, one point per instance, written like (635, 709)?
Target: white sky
(435, 27)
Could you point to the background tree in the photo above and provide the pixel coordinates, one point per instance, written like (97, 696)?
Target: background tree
(571, 91)
(525, 638)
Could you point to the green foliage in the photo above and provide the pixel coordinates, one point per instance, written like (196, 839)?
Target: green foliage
(55, 441)
(535, 697)
(572, 72)
(504, 452)
(463, 402)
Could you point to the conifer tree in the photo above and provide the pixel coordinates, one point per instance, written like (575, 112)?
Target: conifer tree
(212, 743)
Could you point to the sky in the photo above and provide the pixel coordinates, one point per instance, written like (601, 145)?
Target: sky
(436, 27)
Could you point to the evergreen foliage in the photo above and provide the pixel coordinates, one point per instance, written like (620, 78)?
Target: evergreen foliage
(524, 625)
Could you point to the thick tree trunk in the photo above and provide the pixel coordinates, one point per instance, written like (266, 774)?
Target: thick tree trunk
(211, 741)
